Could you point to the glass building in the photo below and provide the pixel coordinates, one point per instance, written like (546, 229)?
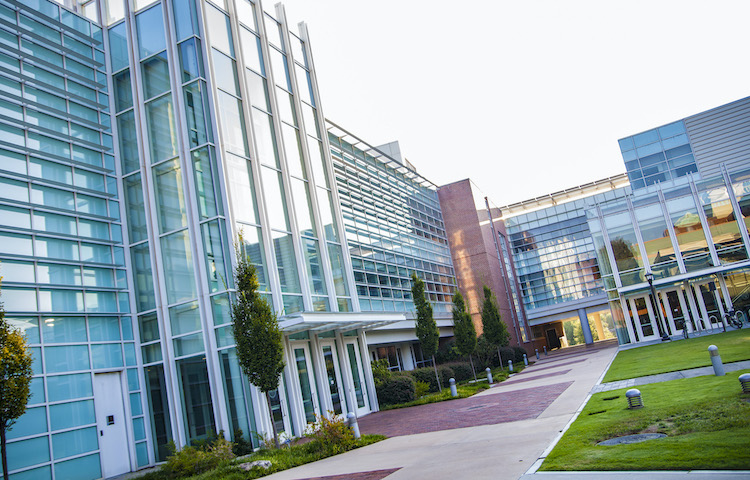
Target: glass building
(142, 142)
(556, 265)
(394, 227)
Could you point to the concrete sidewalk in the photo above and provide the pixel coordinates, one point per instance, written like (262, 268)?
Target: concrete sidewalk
(665, 377)
(501, 450)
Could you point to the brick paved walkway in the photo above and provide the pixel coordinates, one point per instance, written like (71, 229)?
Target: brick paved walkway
(372, 475)
(465, 412)
(518, 379)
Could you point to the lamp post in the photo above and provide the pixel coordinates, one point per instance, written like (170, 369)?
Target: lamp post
(655, 303)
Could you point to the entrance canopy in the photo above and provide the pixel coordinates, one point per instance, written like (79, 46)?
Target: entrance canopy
(319, 322)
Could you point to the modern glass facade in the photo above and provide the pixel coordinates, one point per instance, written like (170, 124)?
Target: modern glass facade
(394, 227)
(658, 155)
(686, 233)
(138, 150)
(61, 239)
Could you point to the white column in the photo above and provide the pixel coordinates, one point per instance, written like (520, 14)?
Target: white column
(364, 353)
(668, 311)
(702, 306)
(628, 320)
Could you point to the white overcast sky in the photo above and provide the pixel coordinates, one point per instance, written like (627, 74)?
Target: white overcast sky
(525, 97)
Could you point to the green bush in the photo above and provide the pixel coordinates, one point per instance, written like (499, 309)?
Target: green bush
(461, 370)
(397, 389)
(194, 460)
(447, 352)
(240, 445)
(332, 434)
(422, 389)
(518, 354)
(380, 372)
(427, 375)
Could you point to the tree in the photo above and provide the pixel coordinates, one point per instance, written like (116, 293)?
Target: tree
(16, 372)
(427, 331)
(493, 327)
(463, 330)
(256, 333)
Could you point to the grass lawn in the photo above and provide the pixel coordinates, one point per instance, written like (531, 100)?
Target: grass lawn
(733, 346)
(281, 459)
(706, 419)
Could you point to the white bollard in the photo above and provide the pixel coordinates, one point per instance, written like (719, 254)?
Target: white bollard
(525, 360)
(489, 374)
(713, 350)
(452, 383)
(510, 366)
(351, 420)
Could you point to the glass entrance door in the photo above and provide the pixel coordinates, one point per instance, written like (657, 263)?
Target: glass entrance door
(358, 377)
(675, 309)
(643, 315)
(279, 409)
(334, 378)
(305, 376)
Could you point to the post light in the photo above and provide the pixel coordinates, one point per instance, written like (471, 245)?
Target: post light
(655, 303)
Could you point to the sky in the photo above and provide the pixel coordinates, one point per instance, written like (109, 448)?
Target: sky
(525, 97)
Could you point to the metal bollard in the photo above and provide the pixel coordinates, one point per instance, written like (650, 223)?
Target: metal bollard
(537, 353)
(545, 349)
(525, 360)
(351, 420)
(745, 382)
(713, 350)
(510, 366)
(634, 398)
(452, 383)
(489, 374)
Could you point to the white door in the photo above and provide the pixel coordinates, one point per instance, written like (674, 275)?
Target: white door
(358, 377)
(306, 379)
(333, 378)
(110, 422)
(644, 318)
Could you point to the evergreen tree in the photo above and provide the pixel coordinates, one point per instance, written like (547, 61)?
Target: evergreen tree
(426, 328)
(256, 333)
(494, 329)
(463, 330)
(15, 377)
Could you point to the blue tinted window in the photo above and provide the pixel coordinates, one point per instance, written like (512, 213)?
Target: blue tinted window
(64, 330)
(645, 138)
(679, 151)
(83, 468)
(64, 359)
(652, 159)
(150, 24)
(74, 443)
(69, 415)
(118, 47)
(185, 18)
(648, 149)
(68, 387)
(33, 422)
(675, 141)
(106, 355)
(672, 129)
(27, 452)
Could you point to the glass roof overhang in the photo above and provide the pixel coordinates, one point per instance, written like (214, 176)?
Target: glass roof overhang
(320, 322)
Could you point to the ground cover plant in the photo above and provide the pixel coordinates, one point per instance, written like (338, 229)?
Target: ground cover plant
(215, 460)
(677, 355)
(706, 420)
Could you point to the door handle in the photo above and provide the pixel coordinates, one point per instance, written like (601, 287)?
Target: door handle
(101, 433)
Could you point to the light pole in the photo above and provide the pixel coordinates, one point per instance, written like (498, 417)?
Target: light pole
(655, 303)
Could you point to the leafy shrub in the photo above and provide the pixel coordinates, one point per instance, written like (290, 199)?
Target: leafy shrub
(518, 354)
(241, 446)
(194, 460)
(461, 370)
(485, 354)
(447, 352)
(380, 372)
(422, 389)
(427, 375)
(397, 389)
(332, 434)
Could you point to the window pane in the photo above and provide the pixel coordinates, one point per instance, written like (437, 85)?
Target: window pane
(195, 113)
(185, 318)
(144, 283)
(135, 207)
(185, 18)
(161, 128)
(214, 250)
(63, 330)
(66, 359)
(123, 91)
(218, 25)
(251, 51)
(242, 189)
(191, 59)
(155, 73)
(301, 197)
(274, 196)
(232, 124)
(264, 138)
(150, 25)
(286, 263)
(107, 355)
(118, 47)
(252, 247)
(226, 73)
(178, 267)
(203, 166)
(104, 329)
(170, 199)
(69, 387)
(128, 142)
(314, 267)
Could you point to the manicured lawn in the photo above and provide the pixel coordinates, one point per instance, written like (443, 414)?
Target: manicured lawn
(706, 419)
(733, 346)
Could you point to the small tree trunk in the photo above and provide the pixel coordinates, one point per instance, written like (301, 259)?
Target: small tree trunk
(472, 367)
(500, 358)
(440, 387)
(273, 424)
(2, 447)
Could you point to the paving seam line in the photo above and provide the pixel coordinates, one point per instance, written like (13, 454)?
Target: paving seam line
(538, 463)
